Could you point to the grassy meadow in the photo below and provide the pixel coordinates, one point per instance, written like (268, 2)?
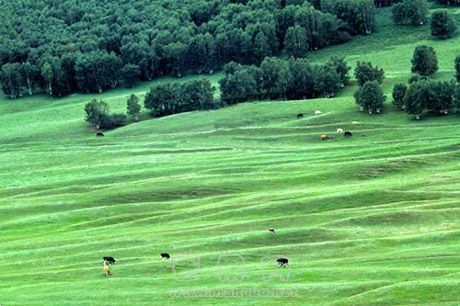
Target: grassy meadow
(368, 220)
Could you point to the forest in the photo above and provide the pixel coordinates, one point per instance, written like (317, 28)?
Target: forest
(91, 46)
(60, 47)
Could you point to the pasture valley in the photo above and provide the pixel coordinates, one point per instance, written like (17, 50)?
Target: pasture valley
(371, 219)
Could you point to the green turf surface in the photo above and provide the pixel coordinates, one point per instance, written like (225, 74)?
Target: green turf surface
(371, 220)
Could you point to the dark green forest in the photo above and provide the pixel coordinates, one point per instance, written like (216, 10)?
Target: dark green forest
(91, 46)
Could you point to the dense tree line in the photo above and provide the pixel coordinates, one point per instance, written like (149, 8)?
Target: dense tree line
(359, 15)
(449, 2)
(385, 3)
(91, 46)
(275, 78)
(424, 94)
(283, 79)
(177, 97)
(304, 28)
(457, 68)
(427, 95)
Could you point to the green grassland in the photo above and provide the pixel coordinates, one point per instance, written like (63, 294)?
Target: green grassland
(370, 220)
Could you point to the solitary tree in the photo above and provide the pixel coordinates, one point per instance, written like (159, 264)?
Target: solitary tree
(410, 12)
(133, 107)
(442, 25)
(440, 96)
(399, 91)
(414, 100)
(425, 61)
(370, 97)
(365, 72)
(97, 112)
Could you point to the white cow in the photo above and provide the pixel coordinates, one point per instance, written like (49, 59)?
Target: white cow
(339, 130)
(318, 112)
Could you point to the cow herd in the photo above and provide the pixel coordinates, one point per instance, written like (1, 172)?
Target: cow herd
(326, 136)
(299, 116)
(281, 262)
(109, 260)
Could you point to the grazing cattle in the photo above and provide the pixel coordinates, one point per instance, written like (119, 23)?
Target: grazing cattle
(106, 270)
(271, 230)
(324, 137)
(318, 112)
(339, 130)
(282, 262)
(165, 256)
(299, 116)
(348, 134)
(109, 260)
(99, 134)
(354, 122)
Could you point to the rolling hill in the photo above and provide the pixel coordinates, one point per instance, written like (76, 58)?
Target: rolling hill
(367, 220)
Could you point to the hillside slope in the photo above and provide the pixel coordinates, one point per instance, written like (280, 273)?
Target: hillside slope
(372, 219)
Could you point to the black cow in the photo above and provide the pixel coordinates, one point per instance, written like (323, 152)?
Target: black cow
(282, 262)
(99, 134)
(271, 230)
(109, 259)
(348, 134)
(165, 256)
(299, 116)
